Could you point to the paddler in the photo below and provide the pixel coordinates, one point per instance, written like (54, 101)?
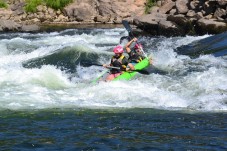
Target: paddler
(119, 63)
(135, 55)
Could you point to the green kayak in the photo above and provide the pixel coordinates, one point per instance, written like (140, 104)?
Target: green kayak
(139, 66)
(126, 75)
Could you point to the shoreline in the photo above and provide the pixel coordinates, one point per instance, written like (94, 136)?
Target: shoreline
(72, 25)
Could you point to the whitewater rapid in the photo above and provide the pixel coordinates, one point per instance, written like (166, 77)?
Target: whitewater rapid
(189, 83)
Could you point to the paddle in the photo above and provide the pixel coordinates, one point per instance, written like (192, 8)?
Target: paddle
(110, 67)
(129, 29)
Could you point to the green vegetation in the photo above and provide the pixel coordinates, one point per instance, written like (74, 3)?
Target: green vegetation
(31, 5)
(149, 4)
(3, 4)
(55, 4)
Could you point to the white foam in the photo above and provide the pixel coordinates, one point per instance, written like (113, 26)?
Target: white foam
(49, 87)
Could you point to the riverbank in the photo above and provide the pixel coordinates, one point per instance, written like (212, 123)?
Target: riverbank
(63, 26)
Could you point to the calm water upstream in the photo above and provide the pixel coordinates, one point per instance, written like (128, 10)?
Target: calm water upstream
(47, 100)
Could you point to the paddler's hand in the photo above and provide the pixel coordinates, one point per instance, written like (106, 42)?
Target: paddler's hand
(105, 65)
(134, 39)
(127, 69)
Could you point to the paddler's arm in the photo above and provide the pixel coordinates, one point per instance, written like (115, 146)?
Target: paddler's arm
(131, 67)
(107, 65)
(127, 47)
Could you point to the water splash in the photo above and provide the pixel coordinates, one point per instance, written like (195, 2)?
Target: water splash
(190, 84)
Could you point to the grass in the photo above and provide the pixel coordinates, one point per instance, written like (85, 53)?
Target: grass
(55, 4)
(149, 4)
(3, 4)
(31, 5)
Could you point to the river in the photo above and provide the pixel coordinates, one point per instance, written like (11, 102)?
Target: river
(47, 100)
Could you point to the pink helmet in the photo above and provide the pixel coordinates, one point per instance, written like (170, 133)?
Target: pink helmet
(118, 49)
(138, 46)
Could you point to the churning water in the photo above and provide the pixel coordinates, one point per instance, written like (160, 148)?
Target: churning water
(43, 70)
(47, 100)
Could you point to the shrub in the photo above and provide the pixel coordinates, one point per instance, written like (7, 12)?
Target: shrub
(31, 5)
(55, 4)
(3, 4)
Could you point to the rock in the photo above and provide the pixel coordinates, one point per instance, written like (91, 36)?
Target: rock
(180, 19)
(159, 3)
(205, 26)
(40, 8)
(169, 28)
(208, 16)
(154, 9)
(81, 10)
(191, 13)
(102, 19)
(173, 12)
(222, 2)
(209, 7)
(156, 24)
(9, 25)
(199, 15)
(117, 20)
(167, 7)
(30, 28)
(220, 13)
(5, 13)
(167, 24)
(182, 6)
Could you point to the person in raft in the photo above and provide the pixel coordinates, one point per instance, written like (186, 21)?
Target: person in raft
(136, 54)
(119, 63)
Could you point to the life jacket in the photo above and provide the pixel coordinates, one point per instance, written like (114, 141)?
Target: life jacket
(117, 62)
(134, 57)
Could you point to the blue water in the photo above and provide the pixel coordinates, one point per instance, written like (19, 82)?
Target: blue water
(115, 129)
(47, 100)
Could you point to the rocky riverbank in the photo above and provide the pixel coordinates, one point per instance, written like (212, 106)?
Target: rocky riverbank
(168, 17)
(182, 17)
(14, 18)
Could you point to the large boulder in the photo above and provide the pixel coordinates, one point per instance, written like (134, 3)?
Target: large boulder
(9, 25)
(222, 2)
(80, 10)
(157, 24)
(104, 10)
(182, 6)
(205, 26)
(166, 7)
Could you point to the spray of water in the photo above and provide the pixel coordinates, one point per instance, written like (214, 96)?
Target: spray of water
(190, 84)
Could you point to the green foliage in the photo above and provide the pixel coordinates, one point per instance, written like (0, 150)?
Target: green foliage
(55, 4)
(149, 4)
(3, 4)
(31, 5)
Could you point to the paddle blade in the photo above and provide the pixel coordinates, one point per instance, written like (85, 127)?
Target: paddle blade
(87, 64)
(127, 26)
